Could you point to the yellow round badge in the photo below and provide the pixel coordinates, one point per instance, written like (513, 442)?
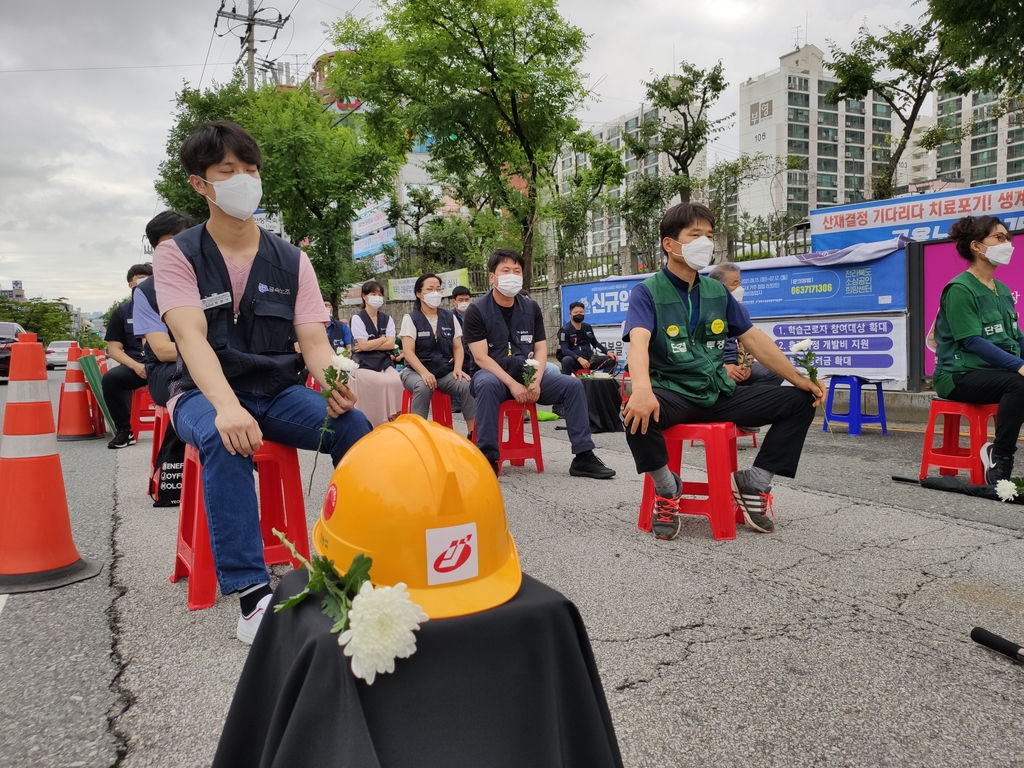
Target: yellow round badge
(717, 326)
(672, 330)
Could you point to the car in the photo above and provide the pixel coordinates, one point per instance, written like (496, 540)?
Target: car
(57, 354)
(8, 335)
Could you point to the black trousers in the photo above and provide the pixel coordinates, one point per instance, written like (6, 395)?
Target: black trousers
(789, 411)
(118, 385)
(571, 364)
(1003, 387)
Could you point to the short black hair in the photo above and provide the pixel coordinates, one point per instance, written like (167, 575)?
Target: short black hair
(167, 223)
(683, 215)
(460, 290)
(579, 304)
(139, 269)
(369, 287)
(326, 297)
(208, 144)
(505, 254)
(971, 229)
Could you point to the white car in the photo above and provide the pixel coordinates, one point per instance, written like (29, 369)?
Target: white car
(57, 354)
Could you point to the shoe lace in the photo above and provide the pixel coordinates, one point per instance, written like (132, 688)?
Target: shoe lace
(665, 509)
(766, 504)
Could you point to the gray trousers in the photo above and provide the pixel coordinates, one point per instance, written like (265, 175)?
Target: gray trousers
(448, 384)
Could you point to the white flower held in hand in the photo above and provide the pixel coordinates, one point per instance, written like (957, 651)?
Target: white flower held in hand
(344, 363)
(381, 626)
(533, 362)
(1006, 490)
(801, 346)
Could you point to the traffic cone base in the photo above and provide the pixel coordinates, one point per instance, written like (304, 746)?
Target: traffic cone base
(80, 570)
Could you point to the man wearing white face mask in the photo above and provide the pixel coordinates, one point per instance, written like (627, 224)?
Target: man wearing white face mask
(236, 298)
(504, 329)
(677, 325)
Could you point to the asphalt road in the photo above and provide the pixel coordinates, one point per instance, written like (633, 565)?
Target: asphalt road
(842, 639)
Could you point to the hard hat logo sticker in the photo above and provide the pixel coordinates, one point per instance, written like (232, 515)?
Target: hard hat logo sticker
(452, 554)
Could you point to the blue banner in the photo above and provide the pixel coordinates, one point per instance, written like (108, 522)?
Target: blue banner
(841, 289)
(606, 301)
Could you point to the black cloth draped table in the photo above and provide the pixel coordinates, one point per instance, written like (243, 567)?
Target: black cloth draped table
(514, 686)
(603, 404)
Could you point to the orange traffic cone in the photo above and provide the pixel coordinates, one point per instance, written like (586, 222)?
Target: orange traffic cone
(37, 550)
(74, 420)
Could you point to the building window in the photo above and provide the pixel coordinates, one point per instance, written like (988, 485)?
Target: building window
(822, 104)
(828, 118)
(982, 98)
(828, 196)
(828, 134)
(615, 143)
(854, 121)
(824, 86)
(651, 158)
(985, 142)
(881, 110)
(799, 132)
(855, 137)
(879, 140)
(984, 173)
(827, 180)
(1015, 152)
(799, 83)
(798, 194)
(796, 209)
(632, 123)
(799, 163)
(882, 155)
(948, 166)
(651, 114)
(1016, 136)
(799, 147)
(651, 170)
(631, 163)
(1017, 166)
(884, 126)
(985, 126)
(854, 182)
(854, 153)
(951, 106)
(880, 169)
(854, 166)
(828, 165)
(854, 107)
(799, 100)
(948, 150)
(828, 150)
(799, 115)
(984, 158)
(854, 197)
(796, 178)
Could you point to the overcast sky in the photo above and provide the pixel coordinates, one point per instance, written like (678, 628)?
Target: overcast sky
(80, 143)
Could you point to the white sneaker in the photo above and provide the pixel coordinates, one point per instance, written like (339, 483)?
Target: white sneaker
(249, 625)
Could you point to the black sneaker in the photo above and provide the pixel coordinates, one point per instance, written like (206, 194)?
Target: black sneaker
(665, 521)
(996, 467)
(755, 503)
(122, 439)
(587, 464)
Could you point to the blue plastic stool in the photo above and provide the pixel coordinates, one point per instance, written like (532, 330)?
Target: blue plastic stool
(854, 418)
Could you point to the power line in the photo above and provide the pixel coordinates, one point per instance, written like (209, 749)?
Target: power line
(213, 33)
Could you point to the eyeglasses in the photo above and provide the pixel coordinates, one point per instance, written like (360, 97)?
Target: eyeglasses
(1001, 237)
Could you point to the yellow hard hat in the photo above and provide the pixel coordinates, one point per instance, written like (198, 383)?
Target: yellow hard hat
(424, 504)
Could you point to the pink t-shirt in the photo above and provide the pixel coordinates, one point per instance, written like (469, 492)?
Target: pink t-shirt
(176, 286)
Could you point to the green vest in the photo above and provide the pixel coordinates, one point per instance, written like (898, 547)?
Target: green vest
(684, 362)
(998, 325)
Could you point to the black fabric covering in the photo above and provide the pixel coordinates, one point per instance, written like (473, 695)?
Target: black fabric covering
(603, 404)
(513, 686)
(956, 485)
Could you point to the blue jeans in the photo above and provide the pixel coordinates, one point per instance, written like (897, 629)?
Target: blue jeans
(490, 393)
(292, 417)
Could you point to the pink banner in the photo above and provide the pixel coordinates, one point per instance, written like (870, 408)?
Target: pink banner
(941, 264)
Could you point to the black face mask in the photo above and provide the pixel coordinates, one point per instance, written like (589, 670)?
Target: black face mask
(577, 318)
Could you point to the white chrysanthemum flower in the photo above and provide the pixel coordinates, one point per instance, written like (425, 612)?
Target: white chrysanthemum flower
(801, 346)
(344, 364)
(533, 362)
(1006, 490)
(381, 626)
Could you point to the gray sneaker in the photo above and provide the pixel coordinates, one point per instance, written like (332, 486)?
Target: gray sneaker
(665, 521)
(755, 503)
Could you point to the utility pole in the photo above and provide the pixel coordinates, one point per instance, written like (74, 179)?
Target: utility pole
(249, 41)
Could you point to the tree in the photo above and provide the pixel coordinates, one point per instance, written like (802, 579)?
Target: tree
(49, 320)
(986, 38)
(316, 171)
(492, 85)
(902, 67)
(640, 208)
(683, 129)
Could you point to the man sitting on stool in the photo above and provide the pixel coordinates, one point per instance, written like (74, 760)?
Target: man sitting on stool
(577, 342)
(504, 329)
(728, 274)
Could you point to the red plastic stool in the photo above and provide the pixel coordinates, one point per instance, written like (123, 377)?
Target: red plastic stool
(440, 407)
(950, 457)
(143, 411)
(720, 454)
(515, 449)
(281, 507)
(99, 421)
(160, 421)
(312, 383)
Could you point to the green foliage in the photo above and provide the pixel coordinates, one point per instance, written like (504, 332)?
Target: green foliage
(49, 320)
(110, 310)
(984, 38)
(684, 129)
(492, 85)
(640, 208)
(90, 340)
(317, 171)
(902, 66)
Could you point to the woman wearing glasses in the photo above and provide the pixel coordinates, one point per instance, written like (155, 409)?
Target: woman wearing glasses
(978, 359)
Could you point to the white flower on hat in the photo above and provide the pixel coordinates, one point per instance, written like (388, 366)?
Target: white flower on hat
(1006, 490)
(381, 626)
(344, 363)
(801, 346)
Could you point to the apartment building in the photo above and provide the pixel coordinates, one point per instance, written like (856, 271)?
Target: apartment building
(993, 152)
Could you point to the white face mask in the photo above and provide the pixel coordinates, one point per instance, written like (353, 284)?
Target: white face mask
(462, 306)
(432, 299)
(999, 254)
(737, 293)
(238, 196)
(697, 253)
(375, 301)
(510, 285)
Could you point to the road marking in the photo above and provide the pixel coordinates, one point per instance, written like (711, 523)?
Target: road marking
(3, 602)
